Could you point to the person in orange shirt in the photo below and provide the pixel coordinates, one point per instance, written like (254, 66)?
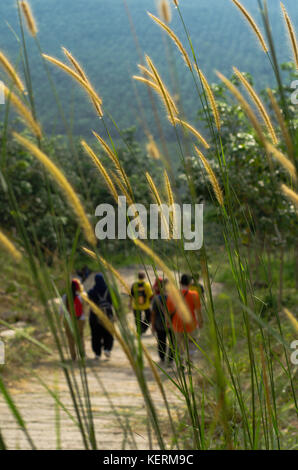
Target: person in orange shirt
(180, 328)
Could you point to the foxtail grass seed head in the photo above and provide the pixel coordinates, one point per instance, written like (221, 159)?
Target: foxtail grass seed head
(102, 169)
(10, 70)
(258, 104)
(86, 85)
(176, 3)
(162, 90)
(24, 112)
(290, 194)
(165, 11)
(193, 130)
(283, 160)
(30, 20)
(210, 96)
(245, 106)
(152, 148)
(292, 319)
(174, 38)
(253, 25)
(215, 184)
(282, 124)
(292, 34)
(9, 247)
(60, 179)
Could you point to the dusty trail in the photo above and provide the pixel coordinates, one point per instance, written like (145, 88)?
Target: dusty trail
(40, 413)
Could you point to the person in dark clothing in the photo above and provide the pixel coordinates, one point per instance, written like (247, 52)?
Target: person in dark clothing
(101, 296)
(161, 324)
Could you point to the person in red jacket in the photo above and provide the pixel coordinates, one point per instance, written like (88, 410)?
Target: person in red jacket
(77, 309)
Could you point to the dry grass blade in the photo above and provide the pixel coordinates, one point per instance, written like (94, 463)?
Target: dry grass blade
(91, 92)
(60, 179)
(290, 194)
(212, 177)
(210, 96)
(174, 38)
(31, 23)
(258, 104)
(102, 170)
(175, 293)
(292, 34)
(283, 160)
(282, 124)
(253, 24)
(109, 267)
(9, 247)
(168, 100)
(245, 106)
(23, 111)
(193, 130)
(165, 11)
(115, 160)
(10, 70)
(292, 319)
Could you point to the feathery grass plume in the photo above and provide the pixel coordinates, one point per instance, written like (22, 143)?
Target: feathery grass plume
(102, 169)
(171, 201)
(23, 111)
(292, 319)
(109, 267)
(164, 93)
(60, 179)
(174, 38)
(245, 106)
(81, 72)
(9, 247)
(152, 148)
(165, 11)
(147, 72)
(169, 191)
(158, 201)
(87, 86)
(156, 87)
(282, 124)
(110, 327)
(212, 177)
(290, 194)
(193, 130)
(283, 160)
(176, 3)
(10, 70)
(31, 23)
(253, 24)
(121, 186)
(174, 292)
(210, 96)
(292, 34)
(258, 104)
(115, 160)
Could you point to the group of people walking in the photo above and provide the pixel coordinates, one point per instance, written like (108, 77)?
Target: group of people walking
(151, 305)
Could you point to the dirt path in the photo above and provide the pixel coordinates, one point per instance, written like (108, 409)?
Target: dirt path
(115, 375)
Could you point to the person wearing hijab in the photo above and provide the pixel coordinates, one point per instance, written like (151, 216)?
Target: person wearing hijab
(100, 336)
